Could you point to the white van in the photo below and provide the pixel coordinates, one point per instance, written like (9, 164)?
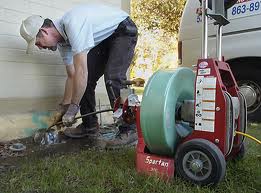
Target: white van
(241, 46)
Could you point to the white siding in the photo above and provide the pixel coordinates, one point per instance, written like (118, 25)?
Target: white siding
(41, 74)
(31, 85)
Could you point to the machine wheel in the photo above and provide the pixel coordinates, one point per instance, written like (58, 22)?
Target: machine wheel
(242, 152)
(242, 127)
(200, 162)
(230, 117)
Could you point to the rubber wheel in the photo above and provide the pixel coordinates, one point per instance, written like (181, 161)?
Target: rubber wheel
(201, 162)
(230, 131)
(242, 127)
(241, 153)
(249, 81)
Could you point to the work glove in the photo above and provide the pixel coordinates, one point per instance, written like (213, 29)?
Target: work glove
(68, 117)
(60, 111)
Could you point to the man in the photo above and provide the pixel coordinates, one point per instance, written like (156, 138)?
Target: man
(93, 40)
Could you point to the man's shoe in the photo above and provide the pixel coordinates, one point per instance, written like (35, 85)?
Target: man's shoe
(124, 138)
(81, 131)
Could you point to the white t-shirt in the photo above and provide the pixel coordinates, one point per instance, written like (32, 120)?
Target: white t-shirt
(85, 26)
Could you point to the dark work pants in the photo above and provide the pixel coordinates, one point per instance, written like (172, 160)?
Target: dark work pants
(111, 58)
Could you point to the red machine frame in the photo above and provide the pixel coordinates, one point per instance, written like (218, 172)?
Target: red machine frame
(165, 166)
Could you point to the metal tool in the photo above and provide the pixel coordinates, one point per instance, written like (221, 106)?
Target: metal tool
(79, 117)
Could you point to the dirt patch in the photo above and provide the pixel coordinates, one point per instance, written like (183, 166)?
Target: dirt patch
(10, 160)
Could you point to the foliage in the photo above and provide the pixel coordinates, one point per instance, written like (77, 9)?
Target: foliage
(158, 14)
(155, 50)
(158, 24)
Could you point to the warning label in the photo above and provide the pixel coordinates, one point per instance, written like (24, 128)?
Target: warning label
(205, 103)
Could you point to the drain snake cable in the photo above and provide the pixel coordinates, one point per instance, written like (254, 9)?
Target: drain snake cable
(249, 136)
(107, 110)
(86, 115)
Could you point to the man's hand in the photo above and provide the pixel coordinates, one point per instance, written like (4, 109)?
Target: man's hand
(60, 111)
(68, 117)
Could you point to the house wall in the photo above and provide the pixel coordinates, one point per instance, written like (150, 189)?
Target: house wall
(32, 85)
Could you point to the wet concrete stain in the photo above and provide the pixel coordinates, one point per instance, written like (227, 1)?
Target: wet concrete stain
(40, 120)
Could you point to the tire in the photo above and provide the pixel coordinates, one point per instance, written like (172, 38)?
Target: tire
(249, 82)
(230, 120)
(208, 168)
(241, 153)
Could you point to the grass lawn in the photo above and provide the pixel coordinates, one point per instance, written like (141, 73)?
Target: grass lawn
(101, 171)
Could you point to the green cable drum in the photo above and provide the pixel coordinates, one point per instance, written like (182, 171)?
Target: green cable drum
(162, 93)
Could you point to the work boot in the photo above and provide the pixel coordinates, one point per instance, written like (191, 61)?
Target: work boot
(81, 131)
(126, 137)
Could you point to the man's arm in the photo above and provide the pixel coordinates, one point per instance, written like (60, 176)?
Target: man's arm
(67, 98)
(80, 77)
(79, 85)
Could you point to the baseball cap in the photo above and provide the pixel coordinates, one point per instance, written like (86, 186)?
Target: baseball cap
(29, 29)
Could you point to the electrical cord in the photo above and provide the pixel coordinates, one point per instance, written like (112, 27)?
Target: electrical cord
(249, 136)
